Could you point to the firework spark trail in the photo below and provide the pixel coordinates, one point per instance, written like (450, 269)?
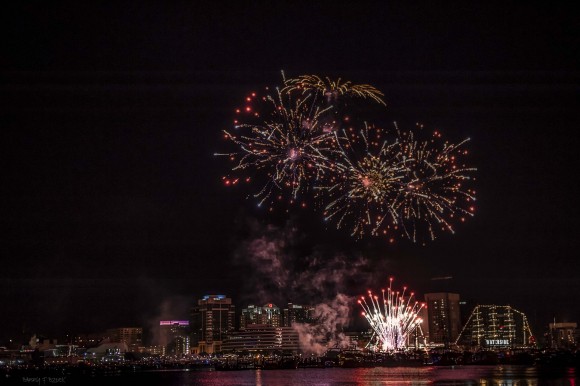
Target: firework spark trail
(296, 145)
(332, 90)
(393, 318)
(388, 183)
(367, 182)
(434, 193)
(292, 146)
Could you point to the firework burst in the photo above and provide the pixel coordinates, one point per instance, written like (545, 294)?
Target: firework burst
(369, 175)
(388, 183)
(435, 194)
(299, 145)
(393, 318)
(290, 146)
(333, 89)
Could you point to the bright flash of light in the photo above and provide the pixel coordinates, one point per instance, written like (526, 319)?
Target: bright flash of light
(393, 318)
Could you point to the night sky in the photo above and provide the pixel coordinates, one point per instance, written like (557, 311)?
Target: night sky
(112, 207)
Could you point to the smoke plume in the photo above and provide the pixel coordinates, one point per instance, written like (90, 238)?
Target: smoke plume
(280, 267)
(171, 308)
(327, 332)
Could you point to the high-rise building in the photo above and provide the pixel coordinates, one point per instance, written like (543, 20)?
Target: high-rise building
(296, 313)
(444, 317)
(174, 336)
(271, 315)
(268, 315)
(249, 316)
(132, 336)
(212, 320)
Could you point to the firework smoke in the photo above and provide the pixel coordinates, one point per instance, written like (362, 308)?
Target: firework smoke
(327, 332)
(278, 270)
(170, 308)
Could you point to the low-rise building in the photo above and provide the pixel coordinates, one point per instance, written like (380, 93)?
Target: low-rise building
(263, 338)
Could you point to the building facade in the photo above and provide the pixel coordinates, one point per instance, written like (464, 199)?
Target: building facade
(263, 338)
(132, 336)
(174, 337)
(212, 321)
(563, 335)
(268, 315)
(444, 319)
(296, 313)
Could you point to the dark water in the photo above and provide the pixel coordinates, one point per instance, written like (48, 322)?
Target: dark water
(468, 375)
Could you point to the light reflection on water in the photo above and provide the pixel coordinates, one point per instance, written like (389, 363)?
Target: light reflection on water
(468, 375)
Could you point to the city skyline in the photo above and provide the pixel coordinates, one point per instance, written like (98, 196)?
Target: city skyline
(439, 323)
(113, 207)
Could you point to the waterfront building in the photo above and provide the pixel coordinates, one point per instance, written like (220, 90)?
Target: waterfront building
(174, 336)
(152, 350)
(268, 314)
(212, 321)
(107, 352)
(132, 336)
(496, 327)
(296, 313)
(563, 335)
(444, 319)
(89, 340)
(41, 343)
(262, 338)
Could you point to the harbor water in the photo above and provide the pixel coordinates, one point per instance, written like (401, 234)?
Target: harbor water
(428, 375)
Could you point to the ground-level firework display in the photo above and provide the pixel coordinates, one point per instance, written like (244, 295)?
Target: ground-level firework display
(393, 318)
(305, 145)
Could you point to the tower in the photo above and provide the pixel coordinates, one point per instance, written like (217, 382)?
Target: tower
(296, 313)
(444, 317)
(269, 314)
(212, 320)
(175, 336)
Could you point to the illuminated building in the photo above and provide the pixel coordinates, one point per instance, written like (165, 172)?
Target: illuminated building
(152, 350)
(42, 343)
(107, 352)
(443, 317)
(249, 316)
(496, 327)
(175, 337)
(212, 320)
(296, 313)
(132, 336)
(268, 315)
(263, 338)
(89, 340)
(564, 335)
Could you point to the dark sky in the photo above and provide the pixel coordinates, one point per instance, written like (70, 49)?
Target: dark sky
(111, 201)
